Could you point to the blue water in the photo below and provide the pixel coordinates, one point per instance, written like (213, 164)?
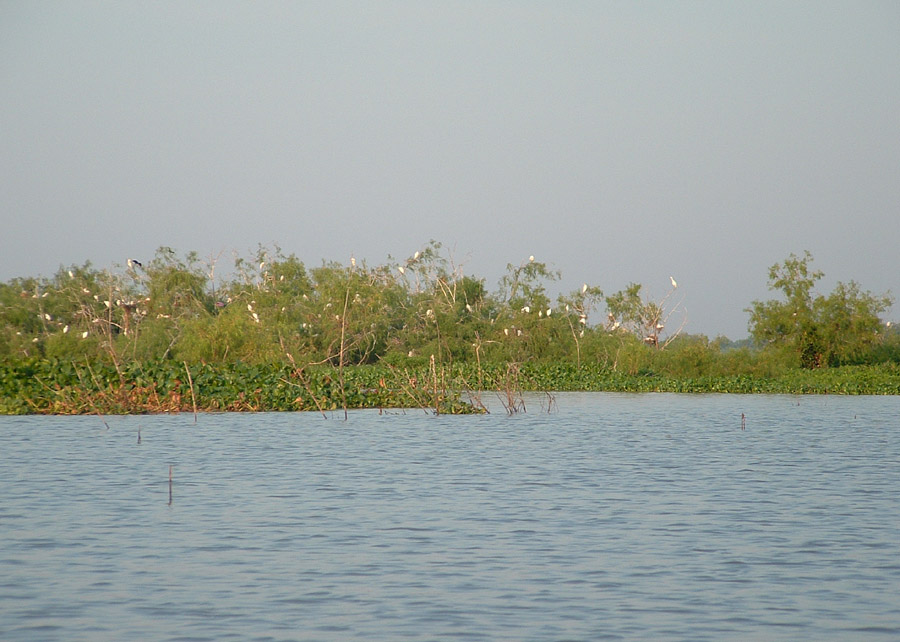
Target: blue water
(611, 517)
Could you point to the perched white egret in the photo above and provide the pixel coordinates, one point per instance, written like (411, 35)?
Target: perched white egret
(84, 334)
(506, 331)
(526, 309)
(674, 282)
(584, 288)
(416, 256)
(65, 329)
(71, 274)
(401, 269)
(531, 258)
(469, 308)
(549, 310)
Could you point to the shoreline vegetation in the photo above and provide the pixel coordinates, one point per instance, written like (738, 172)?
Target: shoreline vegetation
(169, 336)
(64, 388)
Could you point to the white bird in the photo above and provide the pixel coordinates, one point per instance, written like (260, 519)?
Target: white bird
(469, 308)
(584, 288)
(71, 275)
(353, 261)
(84, 334)
(674, 283)
(531, 258)
(400, 269)
(549, 310)
(506, 331)
(416, 256)
(133, 263)
(526, 309)
(65, 329)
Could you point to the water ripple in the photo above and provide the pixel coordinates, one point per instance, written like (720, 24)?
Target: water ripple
(617, 517)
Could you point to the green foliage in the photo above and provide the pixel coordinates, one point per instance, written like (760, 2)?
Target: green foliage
(277, 335)
(842, 328)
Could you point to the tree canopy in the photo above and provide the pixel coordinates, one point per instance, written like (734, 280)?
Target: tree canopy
(817, 330)
(273, 308)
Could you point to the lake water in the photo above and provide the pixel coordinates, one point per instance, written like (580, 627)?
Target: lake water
(614, 516)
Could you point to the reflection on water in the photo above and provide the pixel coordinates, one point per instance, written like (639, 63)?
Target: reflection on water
(614, 517)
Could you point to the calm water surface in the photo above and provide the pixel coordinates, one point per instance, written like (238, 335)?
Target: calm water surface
(612, 517)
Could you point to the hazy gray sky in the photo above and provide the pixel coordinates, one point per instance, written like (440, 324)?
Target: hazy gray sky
(617, 141)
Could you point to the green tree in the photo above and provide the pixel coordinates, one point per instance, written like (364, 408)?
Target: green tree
(628, 310)
(816, 330)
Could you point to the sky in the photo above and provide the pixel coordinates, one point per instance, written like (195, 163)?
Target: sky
(617, 142)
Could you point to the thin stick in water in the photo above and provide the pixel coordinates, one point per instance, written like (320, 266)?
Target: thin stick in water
(170, 484)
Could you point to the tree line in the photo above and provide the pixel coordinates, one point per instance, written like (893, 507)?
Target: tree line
(273, 309)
